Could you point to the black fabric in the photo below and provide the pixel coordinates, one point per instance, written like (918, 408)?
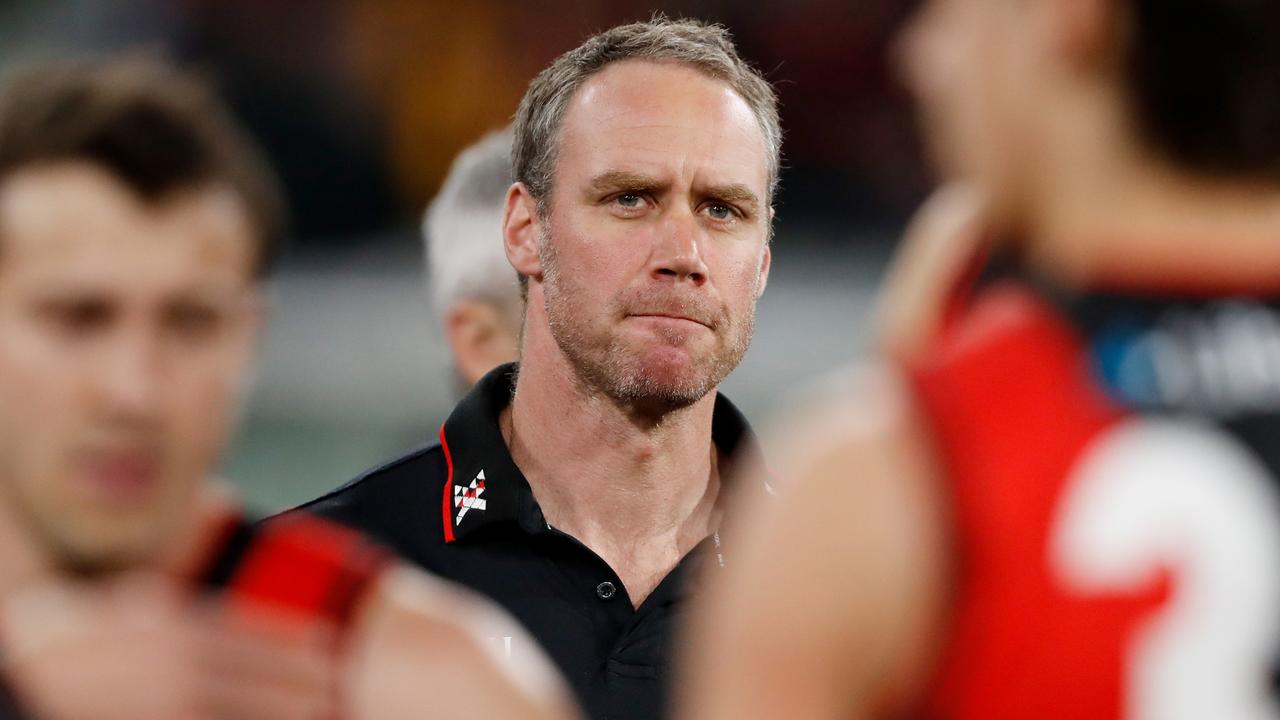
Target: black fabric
(1221, 345)
(10, 709)
(1223, 350)
(237, 538)
(616, 658)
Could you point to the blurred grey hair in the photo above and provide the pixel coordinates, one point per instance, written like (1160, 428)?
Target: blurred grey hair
(462, 230)
(707, 48)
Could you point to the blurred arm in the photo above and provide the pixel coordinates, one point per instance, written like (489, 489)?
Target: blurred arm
(830, 596)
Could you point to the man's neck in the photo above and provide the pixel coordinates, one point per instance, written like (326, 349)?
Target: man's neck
(639, 491)
(1111, 212)
(216, 506)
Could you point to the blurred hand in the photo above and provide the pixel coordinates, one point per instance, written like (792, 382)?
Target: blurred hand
(137, 647)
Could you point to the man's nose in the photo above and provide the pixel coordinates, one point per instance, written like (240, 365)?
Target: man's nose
(677, 254)
(130, 379)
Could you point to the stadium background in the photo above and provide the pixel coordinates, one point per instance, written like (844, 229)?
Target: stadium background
(362, 104)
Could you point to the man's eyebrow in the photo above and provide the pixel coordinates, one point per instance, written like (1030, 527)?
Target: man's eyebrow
(612, 180)
(735, 193)
(615, 180)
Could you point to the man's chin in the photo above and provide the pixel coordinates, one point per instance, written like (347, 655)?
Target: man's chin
(99, 564)
(650, 378)
(97, 549)
(668, 365)
(665, 383)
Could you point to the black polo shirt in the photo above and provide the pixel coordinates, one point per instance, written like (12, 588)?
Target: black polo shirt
(461, 509)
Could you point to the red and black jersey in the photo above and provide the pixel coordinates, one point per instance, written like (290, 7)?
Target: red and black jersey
(297, 563)
(1111, 461)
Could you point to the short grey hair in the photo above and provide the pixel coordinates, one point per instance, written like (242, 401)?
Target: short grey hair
(708, 48)
(462, 230)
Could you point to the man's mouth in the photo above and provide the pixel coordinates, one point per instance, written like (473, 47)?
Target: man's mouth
(119, 476)
(672, 317)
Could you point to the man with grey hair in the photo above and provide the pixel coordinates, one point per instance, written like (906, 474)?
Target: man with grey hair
(472, 285)
(580, 488)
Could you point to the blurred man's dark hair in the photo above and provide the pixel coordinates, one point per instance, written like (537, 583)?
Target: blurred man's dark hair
(1205, 82)
(156, 129)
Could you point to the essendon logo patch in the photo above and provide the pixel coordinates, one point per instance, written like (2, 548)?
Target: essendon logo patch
(468, 498)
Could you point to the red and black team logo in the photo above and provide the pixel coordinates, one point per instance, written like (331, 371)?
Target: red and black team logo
(468, 498)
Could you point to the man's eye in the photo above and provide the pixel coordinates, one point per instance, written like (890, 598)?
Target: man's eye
(78, 317)
(720, 211)
(193, 321)
(630, 200)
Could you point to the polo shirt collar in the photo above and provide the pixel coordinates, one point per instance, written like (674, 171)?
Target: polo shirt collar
(485, 490)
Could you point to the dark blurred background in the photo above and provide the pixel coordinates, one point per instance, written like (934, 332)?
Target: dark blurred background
(362, 105)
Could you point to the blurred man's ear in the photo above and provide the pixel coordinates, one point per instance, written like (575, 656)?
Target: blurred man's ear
(479, 337)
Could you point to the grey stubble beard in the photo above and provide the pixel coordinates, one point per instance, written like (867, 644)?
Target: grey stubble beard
(604, 366)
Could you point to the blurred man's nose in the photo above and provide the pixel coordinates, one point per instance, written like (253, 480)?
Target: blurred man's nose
(130, 375)
(677, 254)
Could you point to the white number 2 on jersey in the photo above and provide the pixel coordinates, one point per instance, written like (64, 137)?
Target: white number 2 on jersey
(1182, 497)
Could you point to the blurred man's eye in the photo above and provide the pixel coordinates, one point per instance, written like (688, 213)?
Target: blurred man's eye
(77, 317)
(193, 321)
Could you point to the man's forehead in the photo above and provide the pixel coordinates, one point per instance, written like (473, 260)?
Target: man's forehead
(75, 214)
(644, 117)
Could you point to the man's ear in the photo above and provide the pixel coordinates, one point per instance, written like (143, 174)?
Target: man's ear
(479, 338)
(520, 226)
(766, 261)
(766, 258)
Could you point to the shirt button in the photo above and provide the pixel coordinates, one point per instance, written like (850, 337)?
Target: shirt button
(606, 590)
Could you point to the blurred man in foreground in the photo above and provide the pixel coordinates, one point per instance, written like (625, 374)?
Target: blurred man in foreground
(136, 227)
(472, 285)
(581, 488)
(1055, 496)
